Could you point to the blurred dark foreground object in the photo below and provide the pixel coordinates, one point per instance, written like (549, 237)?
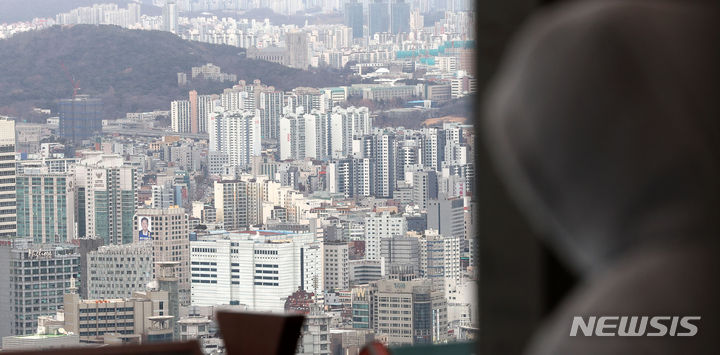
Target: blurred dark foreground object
(259, 333)
(176, 348)
(243, 333)
(604, 121)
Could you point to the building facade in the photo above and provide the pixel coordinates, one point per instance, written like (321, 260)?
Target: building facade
(170, 239)
(35, 278)
(116, 271)
(45, 206)
(257, 270)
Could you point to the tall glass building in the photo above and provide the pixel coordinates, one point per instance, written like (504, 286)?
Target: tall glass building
(45, 206)
(80, 118)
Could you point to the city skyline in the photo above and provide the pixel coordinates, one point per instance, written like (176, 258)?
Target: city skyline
(249, 196)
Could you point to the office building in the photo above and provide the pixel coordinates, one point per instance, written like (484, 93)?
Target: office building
(143, 315)
(337, 271)
(8, 226)
(80, 118)
(170, 238)
(354, 18)
(315, 334)
(447, 216)
(195, 327)
(409, 312)
(116, 271)
(50, 335)
(33, 280)
(365, 271)
(107, 196)
(439, 258)
(362, 306)
(85, 246)
(399, 17)
(401, 255)
(259, 270)
(379, 17)
(163, 195)
(424, 188)
(297, 47)
(45, 206)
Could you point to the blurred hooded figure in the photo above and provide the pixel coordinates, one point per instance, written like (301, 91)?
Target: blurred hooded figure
(604, 123)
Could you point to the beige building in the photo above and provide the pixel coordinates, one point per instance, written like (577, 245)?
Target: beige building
(144, 314)
(169, 230)
(409, 312)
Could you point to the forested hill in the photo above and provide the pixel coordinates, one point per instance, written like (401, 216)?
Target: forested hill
(131, 70)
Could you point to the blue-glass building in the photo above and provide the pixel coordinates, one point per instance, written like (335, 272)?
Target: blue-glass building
(80, 118)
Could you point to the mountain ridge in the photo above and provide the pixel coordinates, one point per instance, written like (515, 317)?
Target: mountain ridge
(136, 72)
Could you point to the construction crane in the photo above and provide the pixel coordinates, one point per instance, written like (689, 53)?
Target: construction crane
(75, 83)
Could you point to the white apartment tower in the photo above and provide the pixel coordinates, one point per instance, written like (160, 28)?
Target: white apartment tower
(180, 116)
(231, 204)
(237, 134)
(378, 226)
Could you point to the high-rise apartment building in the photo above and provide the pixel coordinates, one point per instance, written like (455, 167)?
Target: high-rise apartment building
(379, 17)
(231, 204)
(385, 163)
(193, 99)
(425, 187)
(116, 271)
(8, 227)
(170, 237)
(45, 206)
(271, 105)
(170, 16)
(205, 108)
(298, 51)
(237, 134)
(181, 116)
(107, 197)
(354, 18)
(378, 226)
(80, 118)
(399, 17)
